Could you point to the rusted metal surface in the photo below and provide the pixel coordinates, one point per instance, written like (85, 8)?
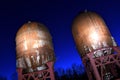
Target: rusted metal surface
(90, 33)
(33, 46)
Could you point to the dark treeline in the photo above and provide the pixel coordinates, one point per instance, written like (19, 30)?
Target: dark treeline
(14, 76)
(76, 72)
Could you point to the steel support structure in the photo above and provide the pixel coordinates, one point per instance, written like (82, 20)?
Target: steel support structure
(105, 67)
(47, 74)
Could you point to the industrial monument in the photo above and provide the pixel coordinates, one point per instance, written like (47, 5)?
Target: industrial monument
(35, 53)
(98, 49)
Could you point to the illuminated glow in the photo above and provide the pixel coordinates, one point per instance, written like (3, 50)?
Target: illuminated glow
(105, 44)
(28, 62)
(40, 43)
(38, 57)
(41, 34)
(35, 45)
(94, 37)
(20, 62)
(25, 45)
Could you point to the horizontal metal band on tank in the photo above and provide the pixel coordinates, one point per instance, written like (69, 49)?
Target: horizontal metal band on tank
(35, 58)
(32, 51)
(34, 61)
(29, 64)
(32, 44)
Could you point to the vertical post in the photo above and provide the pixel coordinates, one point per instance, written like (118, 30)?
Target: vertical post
(19, 71)
(50, 65)
(95, 70)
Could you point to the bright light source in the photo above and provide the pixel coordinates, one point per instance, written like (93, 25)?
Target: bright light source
(25, 45)
(94, 37)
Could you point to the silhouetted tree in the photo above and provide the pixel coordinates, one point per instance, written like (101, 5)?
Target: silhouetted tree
(57, 77)
(76, 72)
(14, 76)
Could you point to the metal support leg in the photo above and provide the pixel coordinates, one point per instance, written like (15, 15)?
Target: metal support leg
(95, 70)
(19, 71)
(50, 65)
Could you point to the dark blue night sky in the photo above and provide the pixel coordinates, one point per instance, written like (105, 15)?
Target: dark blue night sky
(57, 16)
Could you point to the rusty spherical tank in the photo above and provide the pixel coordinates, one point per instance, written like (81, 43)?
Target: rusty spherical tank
(33, 46)
(90, 33)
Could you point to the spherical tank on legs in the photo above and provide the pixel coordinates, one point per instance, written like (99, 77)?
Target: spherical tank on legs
(90, 33)
(34, 47)
(98, 49)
